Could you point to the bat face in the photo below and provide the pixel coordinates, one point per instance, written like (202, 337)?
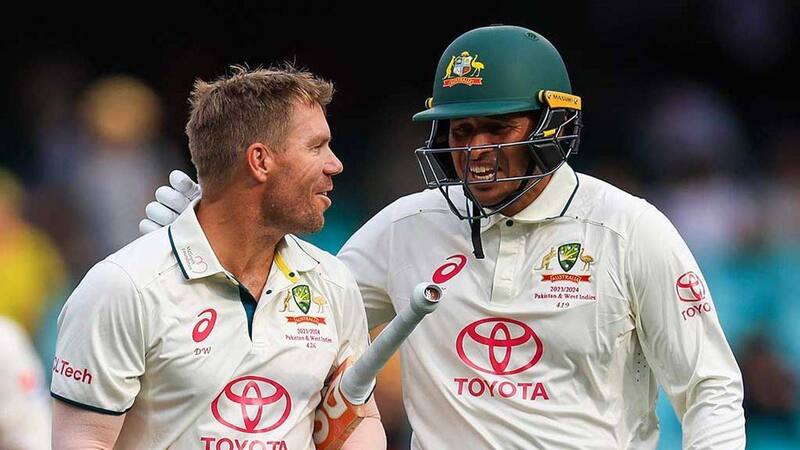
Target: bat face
(335, 418)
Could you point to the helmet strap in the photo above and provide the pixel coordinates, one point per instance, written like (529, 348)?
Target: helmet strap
(475, 229)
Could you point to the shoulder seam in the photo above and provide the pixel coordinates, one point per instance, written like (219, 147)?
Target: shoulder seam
(626, 252)
(130, 278)
(407, 214)
(412, 208)
(329, 279)
(140, 297)
(592, 222)
(150, 281)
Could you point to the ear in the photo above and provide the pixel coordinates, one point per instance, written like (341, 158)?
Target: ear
(260, 161)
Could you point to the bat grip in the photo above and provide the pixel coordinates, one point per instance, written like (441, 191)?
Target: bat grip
(359, 380)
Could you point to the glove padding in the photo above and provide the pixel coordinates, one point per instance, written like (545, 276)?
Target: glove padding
(170, 201)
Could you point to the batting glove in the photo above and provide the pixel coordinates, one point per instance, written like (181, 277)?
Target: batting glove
(170, 201)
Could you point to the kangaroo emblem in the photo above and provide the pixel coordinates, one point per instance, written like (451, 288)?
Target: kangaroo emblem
(547, 259)
(287, 303)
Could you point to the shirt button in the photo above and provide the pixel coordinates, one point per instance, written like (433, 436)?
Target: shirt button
(509, 222)
(269, 291)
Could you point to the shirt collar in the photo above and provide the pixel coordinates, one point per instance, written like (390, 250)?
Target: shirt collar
(554, 199)
(196, 258)
(190, 246)
(552, 202)
(291, 258)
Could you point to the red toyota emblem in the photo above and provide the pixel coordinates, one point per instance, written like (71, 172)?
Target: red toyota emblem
(204, 326)
(450, 269)
(252, 404)
(690, 287)
(499, 346)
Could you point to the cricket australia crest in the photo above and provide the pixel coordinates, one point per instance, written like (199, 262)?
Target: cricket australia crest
(568, 255)
(302, 297)
(557, 284)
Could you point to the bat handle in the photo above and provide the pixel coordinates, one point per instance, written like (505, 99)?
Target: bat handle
(359, 380)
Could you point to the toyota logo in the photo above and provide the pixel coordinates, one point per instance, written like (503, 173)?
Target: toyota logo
(499, 346)
(252, 404)
(690, 287)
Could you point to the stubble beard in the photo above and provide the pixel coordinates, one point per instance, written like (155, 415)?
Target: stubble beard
(292, 218)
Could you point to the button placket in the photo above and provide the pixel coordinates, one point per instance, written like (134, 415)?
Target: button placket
(258, 334)
(505, 269)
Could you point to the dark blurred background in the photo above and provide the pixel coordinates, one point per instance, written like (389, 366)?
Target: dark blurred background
(690, 104)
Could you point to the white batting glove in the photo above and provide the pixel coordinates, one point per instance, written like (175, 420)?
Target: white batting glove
(170, 201)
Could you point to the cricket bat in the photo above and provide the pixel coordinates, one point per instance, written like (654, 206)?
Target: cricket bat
(342, 407)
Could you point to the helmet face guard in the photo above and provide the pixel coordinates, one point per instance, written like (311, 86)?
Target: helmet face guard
(555, 137)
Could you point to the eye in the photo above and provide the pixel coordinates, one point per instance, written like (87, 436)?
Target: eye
(459, 132)
(499, 128)
(320, 146)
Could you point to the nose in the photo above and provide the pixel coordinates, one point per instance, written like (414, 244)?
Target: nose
(477, 140)
(333, 166)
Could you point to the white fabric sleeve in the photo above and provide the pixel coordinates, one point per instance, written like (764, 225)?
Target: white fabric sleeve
(367, 255)
(353, 336)
(681, 336)
(100, 351)
(24, 410)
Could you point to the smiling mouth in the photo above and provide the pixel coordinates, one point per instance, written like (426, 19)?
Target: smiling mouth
(482, 172)
(328, 200)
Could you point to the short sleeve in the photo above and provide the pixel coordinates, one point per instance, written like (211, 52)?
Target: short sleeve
(100, 351)
(353, 336)
(367, 255)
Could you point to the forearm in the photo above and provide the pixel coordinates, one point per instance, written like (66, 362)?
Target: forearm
(369, 434)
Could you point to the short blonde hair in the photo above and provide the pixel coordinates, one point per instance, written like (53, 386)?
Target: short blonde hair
(232, 112)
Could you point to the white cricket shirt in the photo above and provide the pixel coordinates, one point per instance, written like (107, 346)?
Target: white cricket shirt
(585, 300)
(162, 332)
(24, 410)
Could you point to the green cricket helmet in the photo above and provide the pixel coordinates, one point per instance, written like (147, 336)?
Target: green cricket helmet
(491, 71)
